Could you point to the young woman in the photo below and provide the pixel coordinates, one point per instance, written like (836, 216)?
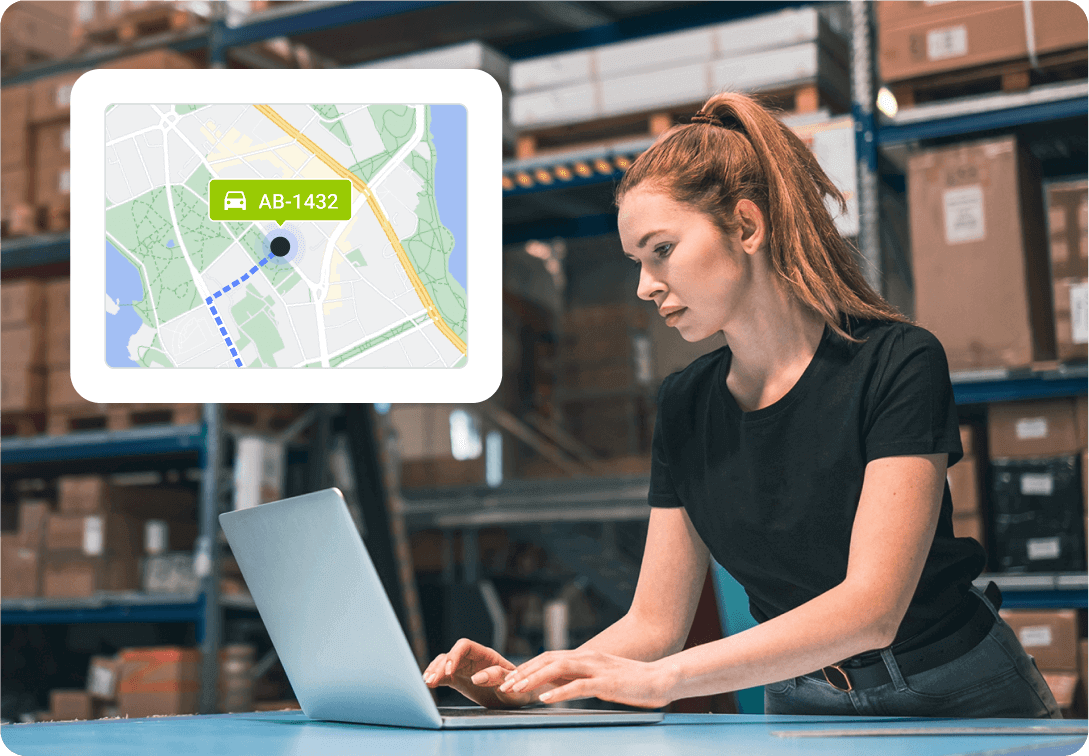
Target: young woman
(808, 457)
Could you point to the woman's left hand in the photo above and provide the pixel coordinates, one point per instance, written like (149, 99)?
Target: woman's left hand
(586, 674)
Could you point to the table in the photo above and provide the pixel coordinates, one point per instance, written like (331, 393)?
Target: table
(290, 732)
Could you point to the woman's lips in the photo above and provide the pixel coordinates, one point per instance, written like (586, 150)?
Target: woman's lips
(672, 317)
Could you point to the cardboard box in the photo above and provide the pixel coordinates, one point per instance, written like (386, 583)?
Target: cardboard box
(1072, 319)
(898, 13)
(109, 533)
(164, 680)
(51, 97)
(94, 494)
(102, 678)
(41, 27)
(14, 188)
(33, 518)
(1081, 417)
(968, 526)
(466, 55)
(73, 575)
(1036, 515)
(67, 705)
(21, 303)
(169, 573)
(1059, 26)
(1063, 685)
(165, 58)
(19, 574)
(1067, 220)
(52, 178)
(963, 478)
(1037, 428)
(968, 440)
(1051, 636)
(22, 390)
(979, 254)
(58, 306)
(962, 36)
(15, 106)
(24, 347)
(61, 393)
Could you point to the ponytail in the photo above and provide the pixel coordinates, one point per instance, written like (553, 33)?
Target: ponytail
(735, 149)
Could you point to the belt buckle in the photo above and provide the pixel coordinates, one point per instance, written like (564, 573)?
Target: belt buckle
(842, 674)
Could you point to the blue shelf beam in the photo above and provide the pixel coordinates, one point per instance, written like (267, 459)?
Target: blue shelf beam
(1060, 599)
(568, 228)
(316, 19)
(33, 251)
(92, 445)
(1010, 389)
(190, 612)
(976, 122)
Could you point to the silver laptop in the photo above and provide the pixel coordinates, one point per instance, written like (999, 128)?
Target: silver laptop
(336, 633)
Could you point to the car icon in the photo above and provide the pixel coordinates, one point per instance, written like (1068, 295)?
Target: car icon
(234, 199)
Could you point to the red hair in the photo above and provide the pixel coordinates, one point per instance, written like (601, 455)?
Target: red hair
(741, 151)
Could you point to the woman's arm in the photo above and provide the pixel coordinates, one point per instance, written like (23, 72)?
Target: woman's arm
(893, 529)
(671, 579)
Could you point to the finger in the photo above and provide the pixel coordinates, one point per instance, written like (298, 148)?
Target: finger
(575, 689)
(456, 654)
(529, 667)
(562, 668)
(438, 673)
(489, 677)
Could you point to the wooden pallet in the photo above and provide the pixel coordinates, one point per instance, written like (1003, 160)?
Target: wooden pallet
(125, 28)
(119, 416)
(1012, 76)
(14, 58)
(55, 216)
(21, 424)
(606, 132)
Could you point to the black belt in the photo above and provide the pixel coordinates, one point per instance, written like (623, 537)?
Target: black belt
(916, 660)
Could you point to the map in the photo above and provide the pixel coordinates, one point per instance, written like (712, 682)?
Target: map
(369, 273)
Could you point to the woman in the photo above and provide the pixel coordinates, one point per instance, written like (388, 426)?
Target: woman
(808, 457)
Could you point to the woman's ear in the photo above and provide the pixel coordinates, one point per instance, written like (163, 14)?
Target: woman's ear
(751, 226)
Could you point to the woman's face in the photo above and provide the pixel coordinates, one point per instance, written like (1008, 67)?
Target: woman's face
(689, 268)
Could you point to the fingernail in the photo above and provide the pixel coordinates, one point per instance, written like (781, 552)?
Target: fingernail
(479, 677)
(518, 688)
(504, 687)
(449, 668)
(545, 696)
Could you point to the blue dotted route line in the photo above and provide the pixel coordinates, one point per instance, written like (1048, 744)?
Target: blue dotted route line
(210, 301)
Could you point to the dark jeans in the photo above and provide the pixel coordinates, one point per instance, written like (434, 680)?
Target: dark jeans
(996, 678)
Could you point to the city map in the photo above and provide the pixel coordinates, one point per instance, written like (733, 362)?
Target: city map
(339, 239)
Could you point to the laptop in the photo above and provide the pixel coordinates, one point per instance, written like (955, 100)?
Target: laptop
(336, 633)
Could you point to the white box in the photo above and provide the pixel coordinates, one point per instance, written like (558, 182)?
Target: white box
(657, 52)
(467, 55)
(555, 106)
(550, 71)
(775, 68)
(655, 89)
(258, 471)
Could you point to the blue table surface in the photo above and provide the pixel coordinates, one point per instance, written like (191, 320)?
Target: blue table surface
(274, 733)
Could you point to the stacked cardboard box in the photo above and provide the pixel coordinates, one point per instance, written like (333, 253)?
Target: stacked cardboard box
(35, 31)
(49, 139)
(58, 345)
(606, 375)
(20, 552)
(16, 212)
(235, 678)
(1067, 223)
(787, 49)
(979, 253)
(1051, 638)
(963, 480)
(161, 680)
(22, 361)
(1036, 493)
(427, 454)
(103, 674)
(920, 38)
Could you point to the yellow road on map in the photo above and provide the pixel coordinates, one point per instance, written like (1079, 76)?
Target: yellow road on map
(361, 186)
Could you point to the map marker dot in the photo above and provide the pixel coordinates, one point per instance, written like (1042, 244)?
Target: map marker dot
(280, 246)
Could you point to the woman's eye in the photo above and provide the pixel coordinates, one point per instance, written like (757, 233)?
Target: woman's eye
(663, 249)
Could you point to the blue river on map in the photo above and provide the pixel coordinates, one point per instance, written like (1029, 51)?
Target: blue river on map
(448, 134)
(123, 286)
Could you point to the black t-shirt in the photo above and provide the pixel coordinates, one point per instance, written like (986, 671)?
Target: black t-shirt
(773, 492)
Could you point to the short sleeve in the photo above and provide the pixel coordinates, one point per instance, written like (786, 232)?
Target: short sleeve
(662, 491)
(911, 407)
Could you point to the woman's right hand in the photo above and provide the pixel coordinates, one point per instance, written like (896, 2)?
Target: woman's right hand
(476, 672)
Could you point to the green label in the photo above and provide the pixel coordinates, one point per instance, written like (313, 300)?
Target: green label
(279, 200)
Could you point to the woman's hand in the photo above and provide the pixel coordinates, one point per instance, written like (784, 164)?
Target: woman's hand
(475, 671)
(585, 674)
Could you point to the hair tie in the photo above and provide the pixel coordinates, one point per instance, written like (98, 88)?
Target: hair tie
(709, 118)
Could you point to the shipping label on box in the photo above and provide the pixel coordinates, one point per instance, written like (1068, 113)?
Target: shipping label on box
(102, 677)
(1050, 636)
(1038, 428)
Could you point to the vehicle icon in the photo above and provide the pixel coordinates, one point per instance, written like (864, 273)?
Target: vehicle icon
(234, 199)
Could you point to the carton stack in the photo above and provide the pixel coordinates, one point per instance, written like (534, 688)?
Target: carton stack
(1036, 492)
(427, 454)
(159, 680)
(58, 345)
(979, 253)
(963, 480)
(793, 51)
(969, 42)
(34, 31)
(20, 552)
(1067, 222)
(1051, 638)
(50, 139)
(605, 378)
(103, 674)
(68, 705)
(235, 679)
(16, 213)
(22, 360)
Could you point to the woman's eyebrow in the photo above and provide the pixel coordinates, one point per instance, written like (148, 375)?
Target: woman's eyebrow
(643, 242)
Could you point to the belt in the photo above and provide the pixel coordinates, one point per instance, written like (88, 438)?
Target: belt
(917, 660)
